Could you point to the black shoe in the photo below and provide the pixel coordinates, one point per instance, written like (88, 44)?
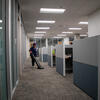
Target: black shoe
(40, 68)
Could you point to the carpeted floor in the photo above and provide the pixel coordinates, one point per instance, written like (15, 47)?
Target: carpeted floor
(46, 84)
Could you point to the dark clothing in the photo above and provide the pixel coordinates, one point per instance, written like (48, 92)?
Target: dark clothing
(33, 54)
(34, 51)
(33, 61)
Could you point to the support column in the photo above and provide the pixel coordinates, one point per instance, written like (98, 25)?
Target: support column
(46, 42)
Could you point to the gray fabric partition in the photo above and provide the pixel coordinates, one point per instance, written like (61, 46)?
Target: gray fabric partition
(85, 51)
(50, 63)
(85, 66)
(45, 58)
(86, 78)
(59, 65)
(60, 59)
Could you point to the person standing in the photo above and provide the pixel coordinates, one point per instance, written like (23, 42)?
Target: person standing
(33, 51)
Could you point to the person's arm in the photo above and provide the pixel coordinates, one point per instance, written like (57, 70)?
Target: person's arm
(30, 51)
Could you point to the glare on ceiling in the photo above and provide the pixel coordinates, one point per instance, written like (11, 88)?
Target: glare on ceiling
(39, 32)
(52, 10)
(75, 28)
(46, 28)
(46, 21)
(86, 23)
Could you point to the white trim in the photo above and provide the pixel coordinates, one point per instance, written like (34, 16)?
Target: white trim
(64, 70)
(13, 91)
(10, 44)
(51, 57)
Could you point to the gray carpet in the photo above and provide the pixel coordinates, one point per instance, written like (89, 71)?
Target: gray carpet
(47, 84)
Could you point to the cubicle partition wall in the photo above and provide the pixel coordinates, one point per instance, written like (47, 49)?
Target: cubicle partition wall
(45, 54)
(50, 56)
(64, 59)
(41, 54)
(85, 65)
(60, 61)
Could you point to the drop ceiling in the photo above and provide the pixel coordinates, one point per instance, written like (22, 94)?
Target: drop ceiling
(76, 11)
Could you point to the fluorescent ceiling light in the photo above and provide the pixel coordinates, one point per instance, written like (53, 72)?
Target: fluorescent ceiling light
(57, 37)
(52, 10)
(0, 21)
(46, 21)
(83, 35)
(67, 32)
(39, 32)
(75, 28)
(37, 37)
(46, 28)
(83, 23)
(0, 28)
(61, 35)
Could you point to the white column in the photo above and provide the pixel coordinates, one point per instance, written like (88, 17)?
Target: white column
(46, 43)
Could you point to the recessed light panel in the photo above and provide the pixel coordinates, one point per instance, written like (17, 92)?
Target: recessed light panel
(39, 32)
(67, 32)
(61, 35)
(83, 35)
(42, 28)
(46, 21)
(57, 37)
(75, 28)
(86, 23)
(37, 37)
(52, 10)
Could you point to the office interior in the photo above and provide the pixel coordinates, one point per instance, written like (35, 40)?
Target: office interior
(67, 37)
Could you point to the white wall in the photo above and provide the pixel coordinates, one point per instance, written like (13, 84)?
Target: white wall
(27, 47)
(94, 24)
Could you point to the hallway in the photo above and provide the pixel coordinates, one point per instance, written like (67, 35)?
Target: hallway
(46, 84)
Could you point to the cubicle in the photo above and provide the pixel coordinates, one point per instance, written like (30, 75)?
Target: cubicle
(85, 66)
(50, 55)
(43, 53)
(64, 59)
